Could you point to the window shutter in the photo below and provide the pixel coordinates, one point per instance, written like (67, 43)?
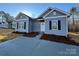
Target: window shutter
(50, 23)
(24, 25)
(59, 25)
(17, 25)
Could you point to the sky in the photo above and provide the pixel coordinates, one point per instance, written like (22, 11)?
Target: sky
(33, 9)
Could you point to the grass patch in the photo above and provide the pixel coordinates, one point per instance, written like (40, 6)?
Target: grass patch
(8, 37)
(6, 34)
(74, 36)
(2, 37)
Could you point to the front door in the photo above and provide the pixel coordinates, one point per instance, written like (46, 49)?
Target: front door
(20, 26)
(42, 27)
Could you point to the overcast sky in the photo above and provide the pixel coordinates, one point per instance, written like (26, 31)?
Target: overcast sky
(32, 9)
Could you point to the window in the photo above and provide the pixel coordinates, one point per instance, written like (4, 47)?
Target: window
(24, 25)
(50, 23)
(59, 25)
(54, 13)
(54, 24)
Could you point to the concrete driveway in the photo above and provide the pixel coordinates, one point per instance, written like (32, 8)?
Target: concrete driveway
(24, 46)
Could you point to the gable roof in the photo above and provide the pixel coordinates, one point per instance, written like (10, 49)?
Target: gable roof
(2, 13)
(24, 16)
(52, 9)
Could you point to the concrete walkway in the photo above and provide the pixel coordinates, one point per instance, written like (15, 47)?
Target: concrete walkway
(25, 46)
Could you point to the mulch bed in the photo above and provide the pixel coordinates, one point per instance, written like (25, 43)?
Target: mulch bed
(60, 39)
(31, 34)
(19, 32)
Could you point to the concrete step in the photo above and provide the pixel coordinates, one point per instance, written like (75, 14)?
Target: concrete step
(38, 36)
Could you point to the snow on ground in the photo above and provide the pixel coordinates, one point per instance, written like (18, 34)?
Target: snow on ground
(24, 46)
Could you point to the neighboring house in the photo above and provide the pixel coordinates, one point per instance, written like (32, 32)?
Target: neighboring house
(52, 21)
(3, 22)
(23, 23)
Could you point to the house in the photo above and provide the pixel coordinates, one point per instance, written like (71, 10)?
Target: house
(3, 18)
(52, 21)
(23, 23)
(55, 22)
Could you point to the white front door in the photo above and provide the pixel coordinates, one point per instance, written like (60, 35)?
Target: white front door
(20, 27)
(42, 27)
(23, 26)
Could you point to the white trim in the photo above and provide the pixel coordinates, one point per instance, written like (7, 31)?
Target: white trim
(48, 13)
(61, 11)
(43, 12)
(55, 17)
(66, 26)
(55, 9)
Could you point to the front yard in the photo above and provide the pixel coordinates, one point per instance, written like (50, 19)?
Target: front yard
(6, 34)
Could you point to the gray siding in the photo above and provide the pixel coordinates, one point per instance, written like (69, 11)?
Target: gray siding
(64, 27)
(36, 26)
(30, 26)
(21, 22)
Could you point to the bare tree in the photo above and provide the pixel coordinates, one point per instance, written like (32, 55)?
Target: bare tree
(73, 12)
(9, 20)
